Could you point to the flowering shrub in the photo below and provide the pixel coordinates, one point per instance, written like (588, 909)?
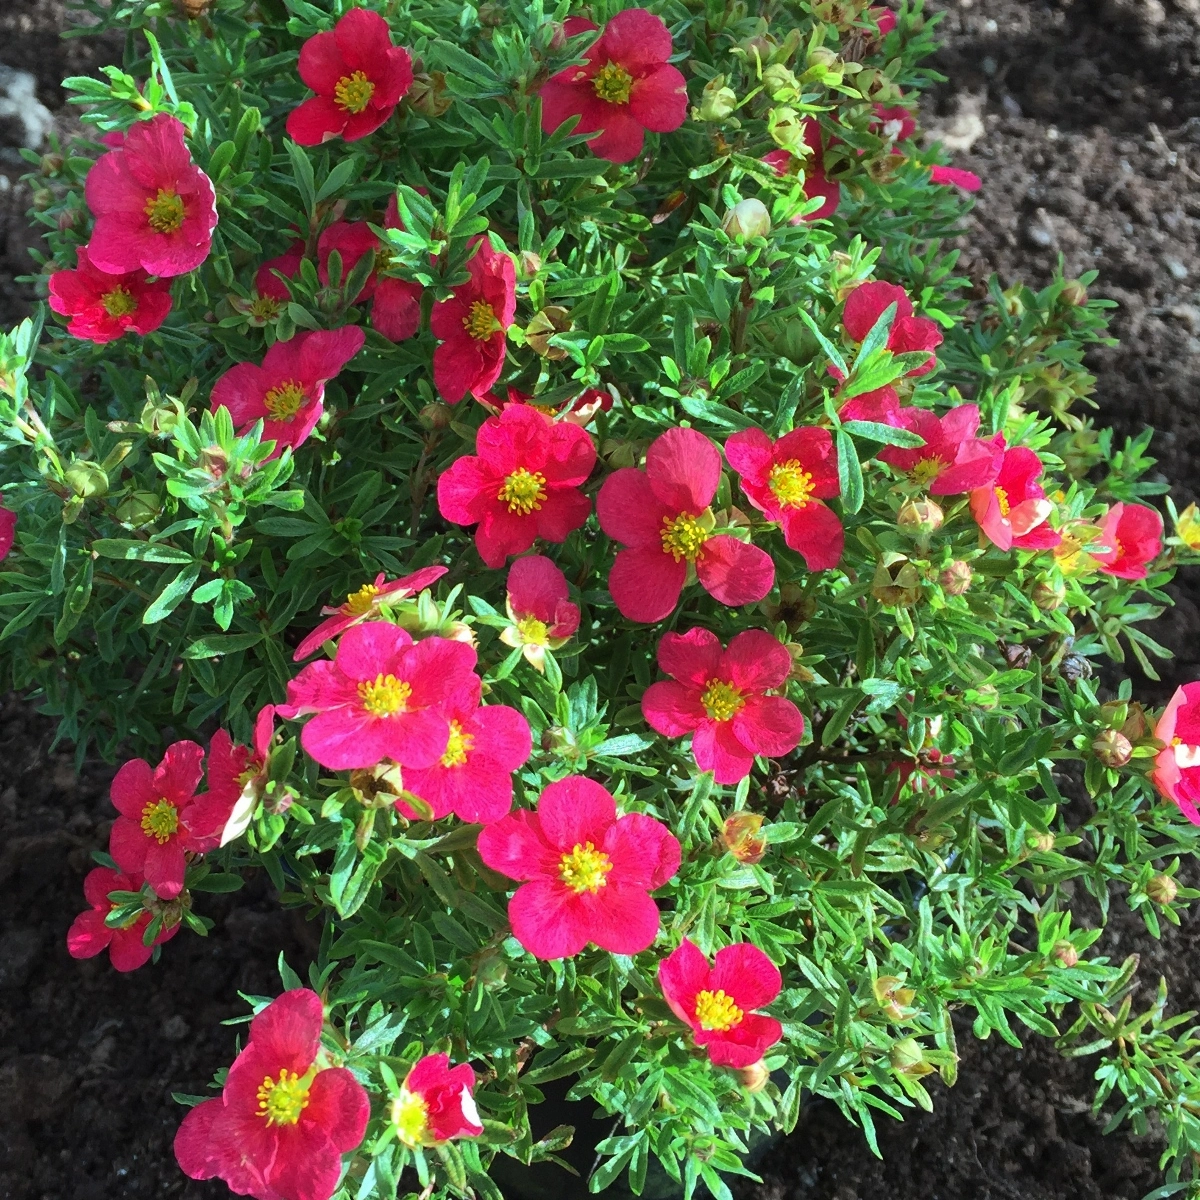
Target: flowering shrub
(534, 483)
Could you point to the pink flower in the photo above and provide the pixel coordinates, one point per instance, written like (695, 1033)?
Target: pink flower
(8, 531)
(816, 182)
(473, 778)
(435, 1103)
(953, 460)
(523, 483)
(267, 283)
(381, 697)
(586, 872)
(1177, 767)
(161, 817)
(284, 1118)
(287, 392)
(237, 775)
(663, 518)
(1013, 509)
(89, 935)
(787, 480)
(155, 209)
(624, 87)
(719, 696)
(472, 326)
(955, 177)
(866, 304)
(715, 1002)
(539, 607)
(359, 78)
(1134, 534)
(881, 406)
(884, 18)
(364, 605)
(104, 307)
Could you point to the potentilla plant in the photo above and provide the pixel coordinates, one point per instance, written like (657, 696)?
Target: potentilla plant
(527, 478)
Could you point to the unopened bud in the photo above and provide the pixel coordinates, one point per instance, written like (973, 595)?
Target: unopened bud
(428, 94)
(529, 263)
(491, 969)
(780, 83)
(747, 218)
(759, 47)
(51, 164)
(956, 578)
(717, 101)
(1074, 294)
(1112, 748)
(919, 517)
(138, 509)
(786, 127)
(1049, 596)
(742, 837)
(823, 56)
(1017, 655)
(68, 219)
(1075, 667)
(1136, 726)
(1162, 889)
(435, 416)
(1065, 953)
(42, 198)
(545, 324)
(1041, 843)
(86, 479)
(754, 1077)
(492, 14)
(908, 1058)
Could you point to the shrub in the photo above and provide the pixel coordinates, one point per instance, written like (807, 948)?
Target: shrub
(785, 743)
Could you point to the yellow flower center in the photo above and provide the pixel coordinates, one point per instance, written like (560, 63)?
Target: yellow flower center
(584, 869)
(352, 93)
(384, 696)
(683, 537)
(165, 211)
(160, 820)
(359, 603)
(613, 83)
(481, 322)
(458, 746)
(791, 484)
(1002, 500)
(119, 302)
(533, 632)
(926, 471)
(282, 1100)
(523, 491)
(285, 401)
(410, 1115)
(264, 308)
(721, 700)
(716, 1010)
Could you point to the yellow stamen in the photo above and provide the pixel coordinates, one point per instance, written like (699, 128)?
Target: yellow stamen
(410, 1115)
(352, 93)
(282, 1100)
(359, 603)
(481, 322)
(160, 820)
(119, 302)
(1002, 500)
(683, 537)
(533, 632)
(926, 471)
(585, 868)
(384, 696)
(716, 1010)
(458, 746)
(285, 401)
(523, 491)
(722, 700)
(613, 83)
(264, 308)
(791, 484)
(165, 211)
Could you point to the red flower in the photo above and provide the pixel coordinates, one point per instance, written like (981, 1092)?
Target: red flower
(588, 872)
(539, 607)
(89, 935)
(816, 182)
(104, 307)
(155, 209)
(1177, 767)
(364, 605)
(284, 1119)
(267, 283)
(719, 696)
(881, 406)
(715, 1002)
(435, 1103)
(662, 516)
(898, 125)
(1013, 510)
(237, 775)
(624, 87)
(287, 392)
(162, 818)
(953, 460)
(955, 177)
(1134, 534)
(380, 698)
(522, 484)
(472, 326)
(8, 531)
(358, 75)
(866, 304)
(787, 480)
(884, 18)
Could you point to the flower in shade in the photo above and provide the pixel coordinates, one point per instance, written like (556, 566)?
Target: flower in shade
(284, 1117)
(953, 460)
(586, 873)
(473, 778)
(8, 531)
(881, 406)
(1177, 767)
(472, 325)
(161, 817)
(624, 87)
(719, 697)
(237, 775)
(1012, 510)
(155, 209)
(662, 517)
(435, 1103)
(867, 303)
(816, 182)
(788, 480)
(381, 697)
(540, 609)
(716, 1002)
(266, 280)
(104, 307)
(522, 483)
(1133, 535)
(287, 392)
(89, 934)
(359, 78)
(363, 605)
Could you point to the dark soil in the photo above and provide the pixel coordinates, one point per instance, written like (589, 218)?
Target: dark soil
(1090, 148)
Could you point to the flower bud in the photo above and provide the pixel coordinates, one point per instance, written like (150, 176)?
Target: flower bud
(1040, 843)
(42, 198)
(822, 56)
(918, 517)
(786, 127)
(892, 997)
(956, 578)
(1017, 655)
(908, 1058)
(1065, 953)
(193, 10)
(742, 838)
(716, 101)
(896, 583)
(529, 263)
(1162, 889)
(761, 47)
(138, 509)
(780, 83)
(86, 479)
(428, 94)
(747, 218)
(1049, 596)
(1075, 667)
(545, 324)
(754, 1077)
(1135, 726)
(435, 416)
(491, 969)
(1112, 748)
(51, 164)
(1074, 294)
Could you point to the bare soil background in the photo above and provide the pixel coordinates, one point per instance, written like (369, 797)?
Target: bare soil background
(1084, 119)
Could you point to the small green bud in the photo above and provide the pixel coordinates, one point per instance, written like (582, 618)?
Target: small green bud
(1065, 953)
(1162, 889)
(1112, 748)
(956, 578)
(716, 101)
(86, 479)
(138, 509)
(747, 218)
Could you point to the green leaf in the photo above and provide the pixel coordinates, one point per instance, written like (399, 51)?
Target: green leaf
(130, 549)
(172, 595)
(229, 643)
(888, 434)
(850, 476)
